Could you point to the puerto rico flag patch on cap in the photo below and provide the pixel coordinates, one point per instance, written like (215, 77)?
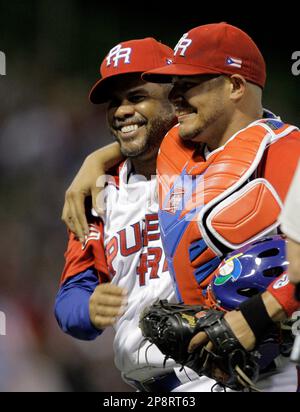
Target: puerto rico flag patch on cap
(234, 62)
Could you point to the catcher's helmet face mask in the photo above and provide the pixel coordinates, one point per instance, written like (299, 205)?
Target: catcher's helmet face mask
(246, 272)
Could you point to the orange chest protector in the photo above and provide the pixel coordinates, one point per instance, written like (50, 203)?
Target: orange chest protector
(213, 206)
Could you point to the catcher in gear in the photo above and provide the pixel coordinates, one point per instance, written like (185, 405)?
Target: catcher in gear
(200, 338)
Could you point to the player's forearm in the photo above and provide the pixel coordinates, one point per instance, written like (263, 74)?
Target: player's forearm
(257, 316)
(273, 307)
(105, 157)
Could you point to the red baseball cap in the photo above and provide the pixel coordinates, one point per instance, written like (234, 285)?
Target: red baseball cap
(217, 48)
(133, 56)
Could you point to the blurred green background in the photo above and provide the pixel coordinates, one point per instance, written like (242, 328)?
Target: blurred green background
(47, 126)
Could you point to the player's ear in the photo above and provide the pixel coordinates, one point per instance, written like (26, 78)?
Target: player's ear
(237, 87)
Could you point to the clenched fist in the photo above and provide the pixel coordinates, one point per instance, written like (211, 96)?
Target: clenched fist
(107, 302)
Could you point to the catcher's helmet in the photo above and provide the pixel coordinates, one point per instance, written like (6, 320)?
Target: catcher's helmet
(246, 272)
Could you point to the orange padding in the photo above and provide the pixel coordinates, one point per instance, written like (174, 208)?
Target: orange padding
(248, 214)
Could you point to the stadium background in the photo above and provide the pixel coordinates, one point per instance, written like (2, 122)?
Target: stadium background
(47, 127)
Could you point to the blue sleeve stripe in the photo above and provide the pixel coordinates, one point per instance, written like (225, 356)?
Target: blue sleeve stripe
(72, 305)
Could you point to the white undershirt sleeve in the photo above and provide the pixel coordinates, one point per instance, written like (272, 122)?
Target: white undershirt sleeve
(290, 215)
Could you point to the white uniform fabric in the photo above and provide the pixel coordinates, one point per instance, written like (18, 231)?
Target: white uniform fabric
(131, 236)
(284, 379)
(131, 226)
(290, 216)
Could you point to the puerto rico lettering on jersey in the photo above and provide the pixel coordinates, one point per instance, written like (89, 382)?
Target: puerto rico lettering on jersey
(132, 240)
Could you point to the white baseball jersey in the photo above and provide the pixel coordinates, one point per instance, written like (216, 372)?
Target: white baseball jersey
(137, 263)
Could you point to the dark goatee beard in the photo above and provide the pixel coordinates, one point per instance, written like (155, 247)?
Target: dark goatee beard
(157, 131)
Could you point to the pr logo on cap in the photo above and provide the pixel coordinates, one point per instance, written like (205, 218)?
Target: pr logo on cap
(216, 48)
(117, 53)
(183, 44)
(132, 56)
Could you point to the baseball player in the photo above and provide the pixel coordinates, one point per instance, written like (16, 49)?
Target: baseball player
(218, 75)
(120, 268)
(242, 172)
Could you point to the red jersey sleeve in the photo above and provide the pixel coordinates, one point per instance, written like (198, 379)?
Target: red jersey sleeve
(280, 163)
(79, 258)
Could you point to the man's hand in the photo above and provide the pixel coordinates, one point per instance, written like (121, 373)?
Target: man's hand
(86, 183)
(107, 302)
(239, 327)
(179, 329)
(83, 185)
(241, 330)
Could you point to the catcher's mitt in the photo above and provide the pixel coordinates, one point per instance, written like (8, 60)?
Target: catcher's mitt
(171, 327)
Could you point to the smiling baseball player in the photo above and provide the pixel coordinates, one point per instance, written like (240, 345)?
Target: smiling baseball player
(121, 268)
